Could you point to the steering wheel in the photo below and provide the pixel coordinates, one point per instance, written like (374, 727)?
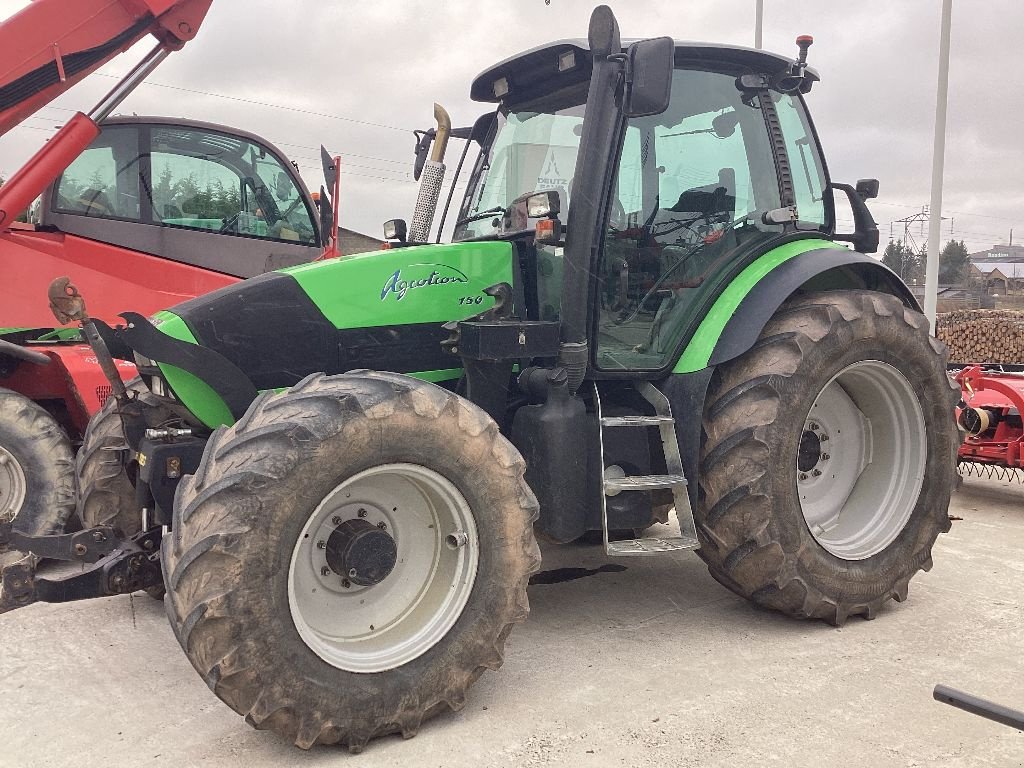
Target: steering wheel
(735, 224)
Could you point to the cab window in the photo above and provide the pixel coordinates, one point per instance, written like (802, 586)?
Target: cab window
(804, 160)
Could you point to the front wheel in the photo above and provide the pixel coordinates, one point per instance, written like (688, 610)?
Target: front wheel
(829, 457)
(350, 557)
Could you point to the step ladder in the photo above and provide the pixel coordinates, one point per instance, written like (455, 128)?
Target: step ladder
(675, 479)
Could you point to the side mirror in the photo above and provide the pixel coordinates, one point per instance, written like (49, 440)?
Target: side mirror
(326, 216)
(396, 229)
(423, 141)
(865, 230)
(867, 189)
(651, 63)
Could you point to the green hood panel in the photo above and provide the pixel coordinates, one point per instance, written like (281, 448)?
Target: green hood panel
(380, 302)
(421, 284)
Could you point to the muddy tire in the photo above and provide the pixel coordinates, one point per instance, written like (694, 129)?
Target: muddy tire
(285, 639)
(794, 514)
(37, 468)
(106, 495)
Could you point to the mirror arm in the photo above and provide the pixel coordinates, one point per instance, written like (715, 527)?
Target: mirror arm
(865, 234)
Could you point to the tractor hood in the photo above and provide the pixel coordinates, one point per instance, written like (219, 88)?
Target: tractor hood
(381, 310)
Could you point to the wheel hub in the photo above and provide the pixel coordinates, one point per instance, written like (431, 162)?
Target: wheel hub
(361, 552)
(810, 451)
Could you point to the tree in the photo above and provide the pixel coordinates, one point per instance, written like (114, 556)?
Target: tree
(953, 262)
(902, 260)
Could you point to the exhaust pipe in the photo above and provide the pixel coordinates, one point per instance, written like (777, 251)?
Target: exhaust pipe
(431, 180)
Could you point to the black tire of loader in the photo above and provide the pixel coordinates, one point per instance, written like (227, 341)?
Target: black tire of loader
(753, 535)
(106, 495)
(43, 450)
(226, 561)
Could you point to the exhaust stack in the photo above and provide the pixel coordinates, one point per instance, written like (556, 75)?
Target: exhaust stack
(431, 180)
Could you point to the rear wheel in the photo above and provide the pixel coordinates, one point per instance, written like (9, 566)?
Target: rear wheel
(350, 556)
(37, 473)
(828, 462)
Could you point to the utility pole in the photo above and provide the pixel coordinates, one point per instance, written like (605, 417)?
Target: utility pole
(758, 23)
(931, 284)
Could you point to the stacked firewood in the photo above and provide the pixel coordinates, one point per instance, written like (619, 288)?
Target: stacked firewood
(982, 335)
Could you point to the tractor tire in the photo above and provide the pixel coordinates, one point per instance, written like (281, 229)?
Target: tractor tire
(277, 630)
(797, 516)
(37, 468)
(106, 495)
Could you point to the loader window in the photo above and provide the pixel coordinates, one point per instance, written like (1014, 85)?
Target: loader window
(103, 181)
(226, 184)
(692, 185)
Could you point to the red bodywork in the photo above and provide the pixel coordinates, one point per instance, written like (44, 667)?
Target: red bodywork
(1001, 394)
(45, 49)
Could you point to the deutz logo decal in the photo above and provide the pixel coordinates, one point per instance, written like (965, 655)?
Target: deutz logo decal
(420, 276)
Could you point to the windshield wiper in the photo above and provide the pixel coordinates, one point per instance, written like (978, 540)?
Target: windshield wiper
(481, 215)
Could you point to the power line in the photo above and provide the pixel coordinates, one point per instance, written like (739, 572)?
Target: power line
(267, 104)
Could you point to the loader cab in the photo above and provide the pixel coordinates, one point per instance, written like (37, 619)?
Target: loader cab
(165, 188)
(681, 201)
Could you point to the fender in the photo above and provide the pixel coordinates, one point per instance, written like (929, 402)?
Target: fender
(748, 303)
(741, 312)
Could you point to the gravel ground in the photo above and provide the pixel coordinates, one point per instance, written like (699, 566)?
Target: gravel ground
(648, 666)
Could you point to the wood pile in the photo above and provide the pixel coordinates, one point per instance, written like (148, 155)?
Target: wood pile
(982, 335)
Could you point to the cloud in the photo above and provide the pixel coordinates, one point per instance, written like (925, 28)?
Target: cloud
(386, 62)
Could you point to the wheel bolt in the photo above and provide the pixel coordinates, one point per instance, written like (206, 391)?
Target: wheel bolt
(825, 457)
(823, 438)
(382, 525)
(321, 544)
(336, 519)
(325, 571)
(817, 473)
(346, 583)
(352, 573)
(803, 475)
(362, 513)
(456, 540)
(813, 426)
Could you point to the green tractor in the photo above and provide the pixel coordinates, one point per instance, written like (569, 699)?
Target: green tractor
(337, 471)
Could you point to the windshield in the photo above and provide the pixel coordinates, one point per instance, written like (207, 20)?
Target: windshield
(531, 151)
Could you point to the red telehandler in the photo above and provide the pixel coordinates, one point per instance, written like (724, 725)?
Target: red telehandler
(141, 212)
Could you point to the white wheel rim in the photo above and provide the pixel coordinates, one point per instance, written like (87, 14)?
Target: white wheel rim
(383, 626)
(861, 464)
(13, 486)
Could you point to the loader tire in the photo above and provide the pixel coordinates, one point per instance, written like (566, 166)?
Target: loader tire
(106, 495)
(288, 640)
(775, 463)
(37, 468)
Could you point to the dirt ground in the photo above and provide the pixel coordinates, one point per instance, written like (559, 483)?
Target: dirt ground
(648, 666)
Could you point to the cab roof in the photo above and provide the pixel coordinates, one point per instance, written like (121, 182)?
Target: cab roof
(540, 63)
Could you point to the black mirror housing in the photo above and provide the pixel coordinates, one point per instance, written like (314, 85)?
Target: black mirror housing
(867, 188)
(396, 229)
(651, 63)
(865, 234)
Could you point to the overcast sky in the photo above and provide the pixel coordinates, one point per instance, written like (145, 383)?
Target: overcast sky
(359, 76)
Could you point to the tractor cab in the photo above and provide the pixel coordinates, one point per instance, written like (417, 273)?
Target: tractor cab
(680, 200)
